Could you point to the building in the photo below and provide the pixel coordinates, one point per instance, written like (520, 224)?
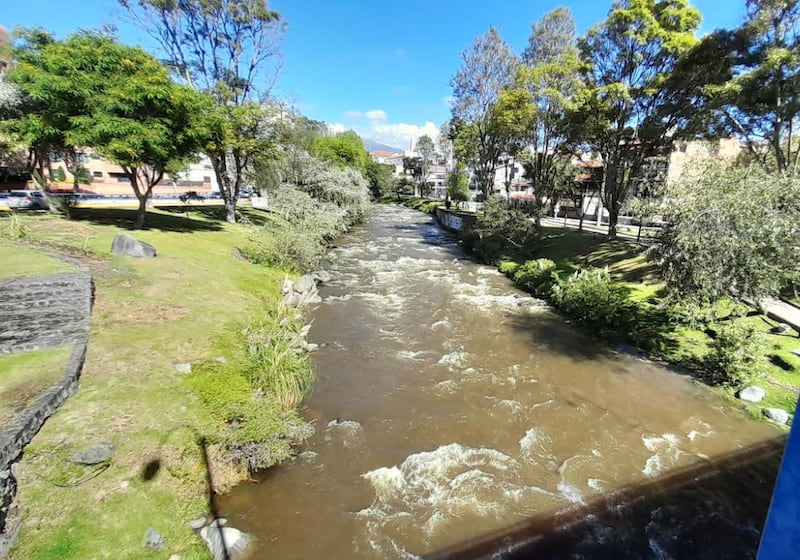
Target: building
(109, 179)
(389, 158)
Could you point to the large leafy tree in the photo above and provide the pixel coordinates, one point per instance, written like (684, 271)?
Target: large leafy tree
(91, 90)
(345, 149)
(427, 155)
(229, 49)
(488, 66)
(752, 81)
(621, 114)
(732, 232)
(538, 102)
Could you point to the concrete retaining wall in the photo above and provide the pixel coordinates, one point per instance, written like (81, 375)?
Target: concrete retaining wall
(455, 221)
(37, 313)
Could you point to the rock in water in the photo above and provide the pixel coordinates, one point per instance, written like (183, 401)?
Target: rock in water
(777, 415)
(128, 246)
(321, 276)
(235, 541)
(97, 453)
(305, 283)
(153, 539)
(752, 394)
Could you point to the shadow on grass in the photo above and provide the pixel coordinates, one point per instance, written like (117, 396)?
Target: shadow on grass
(714, 508)
(125, 218)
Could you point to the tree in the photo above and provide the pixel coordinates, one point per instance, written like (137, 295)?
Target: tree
(380, 177)
(133, 113)
(228, 49)
(458, 185)
(539, 101)
(488, 66)
(620, 115)
(345, 149)
(732, 232)
(753, 81)
(427, 155)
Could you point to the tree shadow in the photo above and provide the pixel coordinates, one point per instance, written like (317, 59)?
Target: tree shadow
(715, 508)
(125, 219)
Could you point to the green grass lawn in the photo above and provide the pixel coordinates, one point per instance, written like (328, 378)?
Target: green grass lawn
(188, 304)
(25, 376)
(24, 261)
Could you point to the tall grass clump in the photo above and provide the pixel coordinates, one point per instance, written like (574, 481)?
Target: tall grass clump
(15, 228)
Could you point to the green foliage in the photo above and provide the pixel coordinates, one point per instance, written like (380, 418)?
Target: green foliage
(277, 363)
(345, 149)
(15, 228)
(500, 230)
(591, 297)
(458, 185)
(286, 247)
(537, 276)
(509, 268)
(250, 426)
(732, 232)
(736, 355)
(59, 175)
(380, 177)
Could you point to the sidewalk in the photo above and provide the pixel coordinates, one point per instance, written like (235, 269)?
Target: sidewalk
(782, 312)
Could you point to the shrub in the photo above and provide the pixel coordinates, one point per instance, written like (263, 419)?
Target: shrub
(736, 354)
(500, 230)
(537, 276)
(15, 229)
(285, 246)
(509, 268)
(591, 297)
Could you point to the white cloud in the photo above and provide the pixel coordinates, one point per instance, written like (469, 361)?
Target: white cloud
(377, 127)
(376, 115)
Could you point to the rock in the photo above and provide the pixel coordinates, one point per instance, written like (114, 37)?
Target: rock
(776, 415)
(184, 367)
(288, 286)
(310, 347)
(198, 523)
(321, 276)
(235, 542)
(305, 283)
(316, 298)
(752, 394)
(153, 539)
(221, 360)
(781, 328)
(97, 453)
(128, 246)
(293, 299)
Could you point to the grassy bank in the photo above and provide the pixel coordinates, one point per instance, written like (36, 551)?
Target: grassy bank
(23, 261)
(644, 320)
(198, 302)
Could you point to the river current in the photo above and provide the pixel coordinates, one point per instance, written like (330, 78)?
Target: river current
(457, 417)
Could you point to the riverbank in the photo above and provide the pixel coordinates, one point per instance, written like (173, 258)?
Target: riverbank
(169, 374)
(646, 324)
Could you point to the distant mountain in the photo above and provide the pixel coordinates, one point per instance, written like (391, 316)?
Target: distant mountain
(372, 145)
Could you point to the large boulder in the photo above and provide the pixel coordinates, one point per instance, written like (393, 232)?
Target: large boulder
(128, 246)
(777, 415)
(305, 283)
(224, 543)
(98, 453)
(752, 394)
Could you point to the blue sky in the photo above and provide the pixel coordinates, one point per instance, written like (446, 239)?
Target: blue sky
(379, 67)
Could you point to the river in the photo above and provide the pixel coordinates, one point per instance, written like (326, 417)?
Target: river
(457, 416)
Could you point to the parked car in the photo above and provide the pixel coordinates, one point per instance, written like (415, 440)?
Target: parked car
(26, 200)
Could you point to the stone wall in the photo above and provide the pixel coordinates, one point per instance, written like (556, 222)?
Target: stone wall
(452, 220)
(37, 313)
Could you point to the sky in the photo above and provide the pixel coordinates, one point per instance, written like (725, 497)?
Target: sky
(379, 67)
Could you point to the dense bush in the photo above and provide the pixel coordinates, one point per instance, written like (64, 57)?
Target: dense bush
(500, 230)
(537, 276)
(736, 354)
(509, 268)
(591, 297)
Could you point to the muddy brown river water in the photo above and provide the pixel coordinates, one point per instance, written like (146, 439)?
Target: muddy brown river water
(457, 417)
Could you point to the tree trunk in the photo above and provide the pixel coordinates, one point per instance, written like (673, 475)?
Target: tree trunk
(613, 216)
(141, 212)
(230, 210)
